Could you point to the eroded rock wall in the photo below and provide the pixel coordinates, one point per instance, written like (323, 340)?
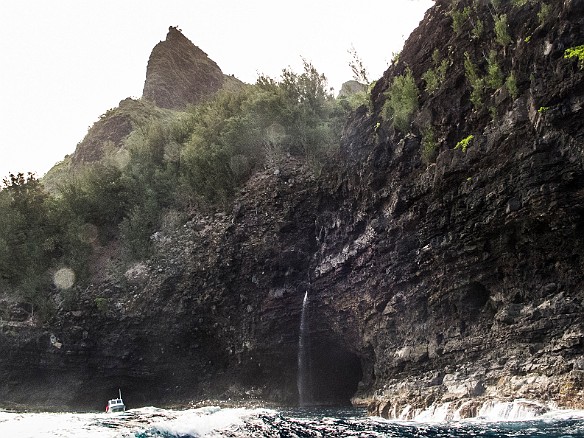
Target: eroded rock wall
(462, 275)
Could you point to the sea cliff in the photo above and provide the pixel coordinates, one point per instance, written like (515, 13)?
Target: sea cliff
(442, 256)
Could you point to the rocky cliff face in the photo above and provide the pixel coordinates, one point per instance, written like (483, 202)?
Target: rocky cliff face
(112, 129)
(213, 315)
(462, 277)
(452, 277)
(180, 74)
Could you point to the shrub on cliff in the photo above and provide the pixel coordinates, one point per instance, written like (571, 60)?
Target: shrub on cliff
(38, 233)
(501, 30)
(97, 195)
(26, 240)
(459, 18)
(429, 145)
(494, 78)
(401, 101)
(435, 77)
(150, 180)
(139, 224)
(477, 82)
(237, 133)
(221, 129)
(310, 115)
(575, 53)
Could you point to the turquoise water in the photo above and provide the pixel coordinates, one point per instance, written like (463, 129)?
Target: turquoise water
(217, 422)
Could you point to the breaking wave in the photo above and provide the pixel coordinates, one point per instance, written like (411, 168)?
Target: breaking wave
(240, 422)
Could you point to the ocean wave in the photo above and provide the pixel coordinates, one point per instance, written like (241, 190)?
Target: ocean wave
(215, 422)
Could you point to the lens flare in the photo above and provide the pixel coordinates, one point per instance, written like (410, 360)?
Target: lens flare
(64, 278)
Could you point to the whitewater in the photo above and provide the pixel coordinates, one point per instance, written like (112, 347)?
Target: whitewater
(302, 422)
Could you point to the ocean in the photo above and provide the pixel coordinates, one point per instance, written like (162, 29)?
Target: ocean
(306, 422)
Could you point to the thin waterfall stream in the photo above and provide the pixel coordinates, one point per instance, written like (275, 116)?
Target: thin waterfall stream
(303, 381)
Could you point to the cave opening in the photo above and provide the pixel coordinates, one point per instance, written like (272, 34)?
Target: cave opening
(334, 374)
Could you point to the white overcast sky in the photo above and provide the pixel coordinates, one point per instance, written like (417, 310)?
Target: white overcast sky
(65, 62)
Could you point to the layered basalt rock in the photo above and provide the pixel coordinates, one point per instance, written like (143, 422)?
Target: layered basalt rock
(462, 278)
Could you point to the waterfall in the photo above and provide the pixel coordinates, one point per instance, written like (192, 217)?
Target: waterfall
(303, 381)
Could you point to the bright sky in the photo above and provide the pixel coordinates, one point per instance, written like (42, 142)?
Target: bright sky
(66, 62)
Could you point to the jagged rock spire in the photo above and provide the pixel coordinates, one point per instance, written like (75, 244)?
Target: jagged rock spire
(179, 73)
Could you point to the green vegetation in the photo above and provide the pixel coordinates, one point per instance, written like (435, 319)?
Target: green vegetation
(543, 109)
(459, 18)
(101, 304)
(401, 101)
(432, 80)
(501, 30)
(436, 57)
(357, 67)
(394, 58)
(37, 234)
(544, 12)
(493, 112)
(478, 29)
(577, 53)
(429, 145)
(435, 76)
(176, 161)
(511, 85)
(477, 83)
(97, 196)
(495, 76)
(519, 3)
(358, 92)
(493, 79)
(464, 143)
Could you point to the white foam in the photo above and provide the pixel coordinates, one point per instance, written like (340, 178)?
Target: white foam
(201, 422)
(494, 411)
(516, 410)
(214, 421)
(194, 422)
(435, 413)
(46, 425)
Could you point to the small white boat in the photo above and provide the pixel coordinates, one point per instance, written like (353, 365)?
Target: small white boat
(115, 404)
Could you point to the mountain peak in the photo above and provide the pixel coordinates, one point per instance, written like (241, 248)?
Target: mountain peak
(179, 73)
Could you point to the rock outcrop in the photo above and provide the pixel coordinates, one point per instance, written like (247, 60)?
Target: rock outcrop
(112, 129)
(435, 276)
(350, 88)
(180, 74)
